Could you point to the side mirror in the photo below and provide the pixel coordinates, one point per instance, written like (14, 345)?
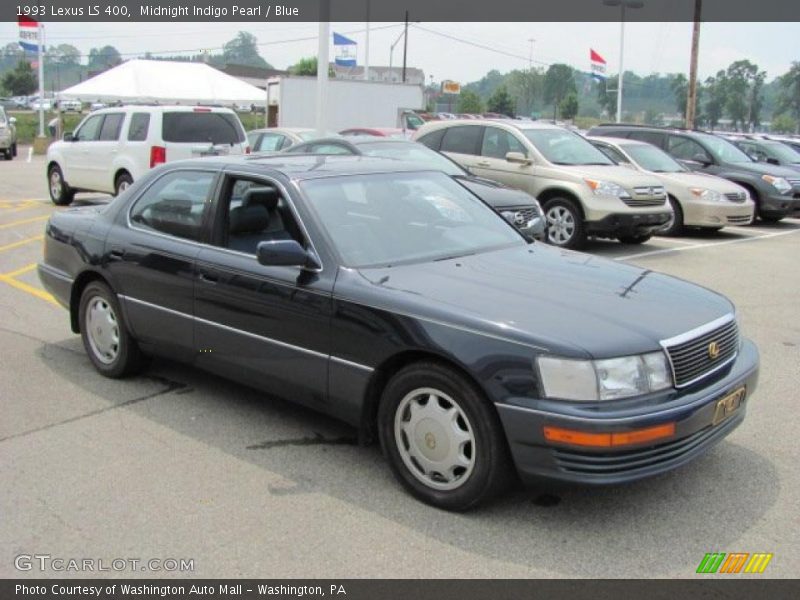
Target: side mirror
(12, 120)
(68, 137)
(285, 253)
(773, 161)
(701, 159)
(518, 157)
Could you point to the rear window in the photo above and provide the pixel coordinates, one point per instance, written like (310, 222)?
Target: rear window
(202, 127)
(464, 139)
(109, 132)
(432, 140)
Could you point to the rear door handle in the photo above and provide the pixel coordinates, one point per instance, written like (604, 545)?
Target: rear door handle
(116, 254)
(208, 277)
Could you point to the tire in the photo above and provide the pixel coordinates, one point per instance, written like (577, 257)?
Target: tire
(110, 346)
(564, 224)
(7, 155)
(60, 193)
(480, 469)
(770, 218)
(675, 226)
(14, 149)
(123, 181)
(634, 239)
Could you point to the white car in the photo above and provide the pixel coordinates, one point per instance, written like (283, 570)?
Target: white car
(112, 147)
(70, 105)
(697, 199)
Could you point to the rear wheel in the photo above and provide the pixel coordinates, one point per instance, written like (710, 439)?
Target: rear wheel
(110, 346)
(634, 239)
(442, 439)
(675, 225)
(7, 154)
(123, 182)
(60, 193)
(14, 149)
(564, 223)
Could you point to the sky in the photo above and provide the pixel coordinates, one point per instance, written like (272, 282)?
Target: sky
(649, 47)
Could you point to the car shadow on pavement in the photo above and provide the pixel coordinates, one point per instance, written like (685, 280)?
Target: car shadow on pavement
(650, 528)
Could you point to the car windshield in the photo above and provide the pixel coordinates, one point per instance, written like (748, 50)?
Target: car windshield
(723, 150)
(653, 159)
(311, 134)
(412, 151)
(562, 147)
(782, 152)
(390, 219)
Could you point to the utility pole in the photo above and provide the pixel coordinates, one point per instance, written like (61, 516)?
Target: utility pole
(691, 95)
(366, 48)
(623, 4)
(405, 48)
(322, 67)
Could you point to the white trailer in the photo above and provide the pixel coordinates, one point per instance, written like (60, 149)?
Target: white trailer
(291, 102)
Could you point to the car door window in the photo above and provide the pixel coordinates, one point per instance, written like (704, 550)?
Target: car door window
(109, 131)
(613, 154)
(499, 142)
(684, 148)
(137, 130)
(651, 137)
(432, 140)
(270, 142)
(463, 139)
(254, 212)
(175, 204)
(90, 130)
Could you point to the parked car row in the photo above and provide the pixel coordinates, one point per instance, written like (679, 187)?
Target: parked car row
(8, 135)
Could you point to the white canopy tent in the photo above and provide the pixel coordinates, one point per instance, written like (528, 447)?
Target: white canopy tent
(166, 82)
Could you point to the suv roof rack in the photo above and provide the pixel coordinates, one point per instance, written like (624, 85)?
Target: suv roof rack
(644, 126)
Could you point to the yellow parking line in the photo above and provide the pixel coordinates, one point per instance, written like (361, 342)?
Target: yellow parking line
(24, 221)
(20, 285)
(13, 245)
(26, 205)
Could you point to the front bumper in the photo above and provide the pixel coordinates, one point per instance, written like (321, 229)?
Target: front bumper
(781, 205)
(692, 412)
(717, 214)
(618, 224)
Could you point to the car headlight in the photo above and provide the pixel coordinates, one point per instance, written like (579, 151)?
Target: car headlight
(707, 195)
(779, 183)
(609, 379)
(606, 188)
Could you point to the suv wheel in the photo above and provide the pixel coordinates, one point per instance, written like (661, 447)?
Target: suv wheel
(564, 223)
(60, 193)
(675, 225)
(7, 154)
(442, 439)
(14, 149)
(123, 182)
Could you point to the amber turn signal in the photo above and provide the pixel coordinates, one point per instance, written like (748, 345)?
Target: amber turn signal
(608, 440)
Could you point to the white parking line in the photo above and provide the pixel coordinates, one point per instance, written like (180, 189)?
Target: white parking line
(748, 230)
(670, 240)
(700, 246)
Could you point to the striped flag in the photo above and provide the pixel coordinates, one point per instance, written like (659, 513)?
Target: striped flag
(598, 65)
(29, 32)
(345, 50)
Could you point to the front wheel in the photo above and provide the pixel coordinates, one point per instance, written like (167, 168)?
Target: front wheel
(675, 224)
(123, 182)
(7, 154)
(442, 439)
(60, 193)
(110, 346)
(564, 224)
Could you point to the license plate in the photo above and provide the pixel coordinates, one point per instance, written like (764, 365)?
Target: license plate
(728, 405)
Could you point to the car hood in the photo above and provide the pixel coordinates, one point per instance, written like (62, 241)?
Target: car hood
(562, 302)
(627, 178)
(763, 169)
(700, 180)
(496, 196)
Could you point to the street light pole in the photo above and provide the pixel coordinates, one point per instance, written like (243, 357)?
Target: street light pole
(623, 4)
(691, 96)
(391, 53)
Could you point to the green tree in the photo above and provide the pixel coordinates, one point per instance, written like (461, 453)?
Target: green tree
(243, 50)
(21, 81)
(783, 123)
(500, 102)
(104, 58)
(308, 66)
(653, 117)
(558, 83)
(65, 54)
(744, 82)
(607, 95)
(680, 89)
(715, 91)
(789, 98)
(568, 107)
(526, 88)
(469, 102)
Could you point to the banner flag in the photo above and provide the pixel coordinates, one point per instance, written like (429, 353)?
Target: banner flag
(598, 65)
(29, 32)
(345, 50)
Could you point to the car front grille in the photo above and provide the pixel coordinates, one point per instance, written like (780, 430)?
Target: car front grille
(647, 196)
(739, 220)
(694, 359)
(737, 197)
(522, 215)
(611, 463)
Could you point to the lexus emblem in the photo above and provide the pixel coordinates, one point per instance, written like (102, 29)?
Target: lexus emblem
(713, 350)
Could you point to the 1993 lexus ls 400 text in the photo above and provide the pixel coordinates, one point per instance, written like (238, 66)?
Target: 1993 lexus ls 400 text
(392, 298)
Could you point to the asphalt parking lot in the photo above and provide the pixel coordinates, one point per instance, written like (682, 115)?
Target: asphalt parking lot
(180, 464)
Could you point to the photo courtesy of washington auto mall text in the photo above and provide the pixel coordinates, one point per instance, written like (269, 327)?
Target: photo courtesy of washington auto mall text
(399, 299)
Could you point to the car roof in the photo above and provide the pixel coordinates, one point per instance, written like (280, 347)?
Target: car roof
(279, 129)
(520, 125)
(311, 166)
(162, 107)
(617, 141)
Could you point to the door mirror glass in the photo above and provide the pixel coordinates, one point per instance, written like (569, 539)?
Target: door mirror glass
(285, 253)
(518, 157)
(773, 161)
(701, 158)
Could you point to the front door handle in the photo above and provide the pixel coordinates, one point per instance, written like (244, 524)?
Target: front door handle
(208, 277)
(482, 163)
(116, 254)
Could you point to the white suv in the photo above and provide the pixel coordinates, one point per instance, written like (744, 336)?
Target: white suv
(113, 147)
